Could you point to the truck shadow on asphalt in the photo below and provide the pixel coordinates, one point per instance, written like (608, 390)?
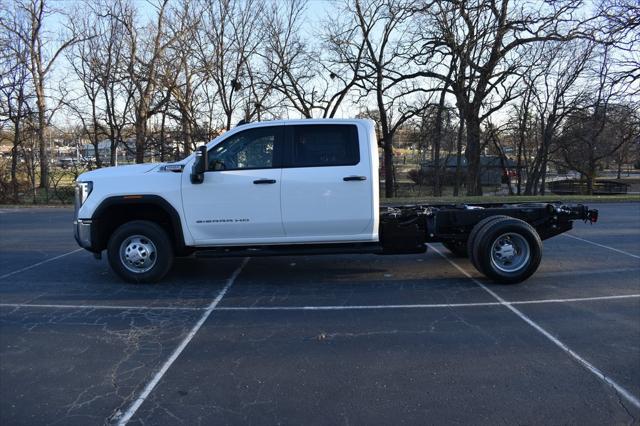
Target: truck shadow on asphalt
(292, 280)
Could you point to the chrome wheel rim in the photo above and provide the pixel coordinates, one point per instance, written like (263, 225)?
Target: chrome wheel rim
(510, 252)
(138, 254)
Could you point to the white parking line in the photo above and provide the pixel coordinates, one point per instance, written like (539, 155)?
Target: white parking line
(120, 307)
(126, 416)
(602, 245)
(39, 263)
(354, 307)
(419, 306)
(574, 299)
(586, 364)
(574, 273)
(320, 308)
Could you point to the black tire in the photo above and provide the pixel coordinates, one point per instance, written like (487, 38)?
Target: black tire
(457, 248)
(474, 232)
(146, 246)
(513, 237)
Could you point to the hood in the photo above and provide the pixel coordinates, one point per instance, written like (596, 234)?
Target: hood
(119, 171)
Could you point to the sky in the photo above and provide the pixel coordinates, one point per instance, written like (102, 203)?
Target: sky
(316, 9)
(61, 72)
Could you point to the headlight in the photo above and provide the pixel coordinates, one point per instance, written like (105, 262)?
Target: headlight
(83, 189)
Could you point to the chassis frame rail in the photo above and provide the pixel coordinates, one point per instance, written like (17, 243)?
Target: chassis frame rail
(454, 222)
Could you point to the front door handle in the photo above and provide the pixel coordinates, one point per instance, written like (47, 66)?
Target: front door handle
(264, 181)
(350, 178)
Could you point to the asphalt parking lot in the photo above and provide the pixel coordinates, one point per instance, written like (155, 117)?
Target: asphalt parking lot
(320, 340)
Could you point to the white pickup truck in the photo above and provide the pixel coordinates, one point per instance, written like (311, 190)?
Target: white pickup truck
(293, 187)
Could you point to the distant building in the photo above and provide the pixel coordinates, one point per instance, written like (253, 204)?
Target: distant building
(491, 170)
(125, 151)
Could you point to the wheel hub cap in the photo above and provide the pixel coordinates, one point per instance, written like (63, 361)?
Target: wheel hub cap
(510, 252)
(506, 252)
(138, 254)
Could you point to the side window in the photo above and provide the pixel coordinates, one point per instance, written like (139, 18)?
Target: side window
(325, 145)
(249, 149)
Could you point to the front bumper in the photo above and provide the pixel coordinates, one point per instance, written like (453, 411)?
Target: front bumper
(82, 232)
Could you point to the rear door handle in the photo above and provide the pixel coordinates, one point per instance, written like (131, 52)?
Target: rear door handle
(350, 178)
(264, 181)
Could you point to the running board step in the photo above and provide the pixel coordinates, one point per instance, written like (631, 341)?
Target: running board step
(295, 250)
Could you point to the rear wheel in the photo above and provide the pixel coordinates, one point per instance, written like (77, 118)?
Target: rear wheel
(140, 252)
(473, 234)
(507, 250)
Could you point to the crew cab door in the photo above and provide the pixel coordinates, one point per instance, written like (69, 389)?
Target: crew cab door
(327, 193)
(239, 200)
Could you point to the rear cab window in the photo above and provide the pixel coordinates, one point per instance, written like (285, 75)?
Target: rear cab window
(323, 145)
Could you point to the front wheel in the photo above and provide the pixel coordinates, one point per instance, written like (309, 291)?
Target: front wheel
(140, 252)
(507, 250)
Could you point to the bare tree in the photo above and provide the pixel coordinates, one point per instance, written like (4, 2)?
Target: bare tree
(147, 48)
(554, 96)
(601, 128)
(484, 40)
(289, 60)
(437, 137)
(313, 77)
(437, 133)
(16, 96)
(184, 23)
(229, 42)
(84, 60)
(40, 62)
(110, 65)
(619, 27)
(398, 95)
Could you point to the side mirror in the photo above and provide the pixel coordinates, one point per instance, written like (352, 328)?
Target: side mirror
(200, 165)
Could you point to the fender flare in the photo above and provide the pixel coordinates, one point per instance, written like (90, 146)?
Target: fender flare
(155, 200)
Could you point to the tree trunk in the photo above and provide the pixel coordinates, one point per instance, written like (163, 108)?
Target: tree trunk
(113, 153)
(141, 133)
(163, 142)
(503, 164)
(113, 146)
(589, 184)
(521, 143)
(95, 133)
(619, 174)
(474, 185)
(228, 125)
(437, 137)
(186, 134)
(591, 176)
(543, 172)
(14, 161)
(389, 184)
(533, 178)
(111, 122)
(96, 147)
(96, 153)
(42, 145)
(456, 187)
(32, 176)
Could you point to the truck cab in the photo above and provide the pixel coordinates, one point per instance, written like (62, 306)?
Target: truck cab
(303, 181)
